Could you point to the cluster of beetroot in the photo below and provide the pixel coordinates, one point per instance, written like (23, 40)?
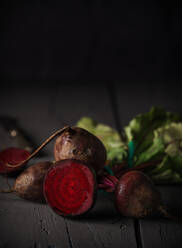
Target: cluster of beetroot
(70, 184)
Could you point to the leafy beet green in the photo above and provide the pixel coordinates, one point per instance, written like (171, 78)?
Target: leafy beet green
(141, 128)
(156, 137)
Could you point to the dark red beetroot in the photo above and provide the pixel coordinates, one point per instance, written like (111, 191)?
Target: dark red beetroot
(70, 187)
(77, 143)
(14, 156)
(29, 184)
(73, 143)
(136, 196)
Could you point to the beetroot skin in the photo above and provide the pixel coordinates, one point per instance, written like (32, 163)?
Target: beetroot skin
(77, 143)
(70, 187)
(29, 184)
(136, 196)
(12, 156)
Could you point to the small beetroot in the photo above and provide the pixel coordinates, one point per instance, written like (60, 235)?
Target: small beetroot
(77, 143)
(70, 187)
(12, 155)
(29, 184)
(136, 196)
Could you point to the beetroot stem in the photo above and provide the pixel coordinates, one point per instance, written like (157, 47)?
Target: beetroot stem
(147, 164)
(40, 147)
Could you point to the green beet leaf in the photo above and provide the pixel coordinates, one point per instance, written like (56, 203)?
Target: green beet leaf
(168, 171)
(140, 128)
(157, 136)
(171, 136)
(153, 153)
(167, 145)
(87, 123)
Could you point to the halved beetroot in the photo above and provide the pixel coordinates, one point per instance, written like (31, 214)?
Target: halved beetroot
(12, 155)
(70, 187)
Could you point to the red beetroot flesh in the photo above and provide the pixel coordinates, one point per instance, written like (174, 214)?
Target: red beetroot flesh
(13, 156)
(69, 188)
(136, 196)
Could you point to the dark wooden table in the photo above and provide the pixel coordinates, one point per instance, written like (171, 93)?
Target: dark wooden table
(45, 107)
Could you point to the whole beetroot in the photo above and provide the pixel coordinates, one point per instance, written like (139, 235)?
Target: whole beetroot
(77, 143)
(136, 196)
(29, 184)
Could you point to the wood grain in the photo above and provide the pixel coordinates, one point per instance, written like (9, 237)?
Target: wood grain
(161, 232)
(133, 99)
(26, 224)
(42, 109)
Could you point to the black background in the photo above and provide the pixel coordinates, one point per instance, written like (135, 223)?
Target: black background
(54, 54)
(91, 40)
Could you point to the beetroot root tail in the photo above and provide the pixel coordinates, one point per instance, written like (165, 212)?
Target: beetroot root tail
(164, 212)
(6, 190)
(60, 131)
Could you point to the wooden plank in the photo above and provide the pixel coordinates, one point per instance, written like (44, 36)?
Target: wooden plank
(133, 99)
(26, 224)
(93, 231)
(75, 100)
(42, 108)
(161, 232)
(138, 97)
(32, 105)
(101, 228)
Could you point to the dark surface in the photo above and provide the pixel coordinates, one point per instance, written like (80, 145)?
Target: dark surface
(95, 39)
(45, 107)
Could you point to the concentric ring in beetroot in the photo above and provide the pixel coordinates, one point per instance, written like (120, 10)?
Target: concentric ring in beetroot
(69, 188)
(12, 155)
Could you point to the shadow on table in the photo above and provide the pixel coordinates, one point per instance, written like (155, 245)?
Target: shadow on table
(103, 211)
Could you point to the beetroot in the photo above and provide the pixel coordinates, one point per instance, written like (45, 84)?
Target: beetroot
(29, 184)
(20, 157)
(70, 187)
(14, 156)
(77, 143)
(73, 143)
(136, 196)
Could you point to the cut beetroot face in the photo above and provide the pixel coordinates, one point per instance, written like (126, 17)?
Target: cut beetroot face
(12, 156)
(69, 188)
